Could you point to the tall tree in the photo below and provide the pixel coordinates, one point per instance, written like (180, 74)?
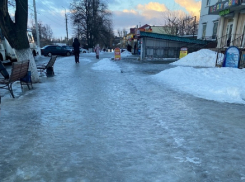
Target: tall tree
(15, 31)
(45, 33)
(91, 20)
(180, 23)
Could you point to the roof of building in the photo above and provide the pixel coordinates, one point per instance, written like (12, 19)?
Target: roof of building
(173, 38)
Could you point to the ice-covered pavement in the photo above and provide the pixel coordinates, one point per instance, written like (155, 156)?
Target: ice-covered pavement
(102, 120)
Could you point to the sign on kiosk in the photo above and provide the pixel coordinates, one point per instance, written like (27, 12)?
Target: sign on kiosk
(117, 54)
(183, 52)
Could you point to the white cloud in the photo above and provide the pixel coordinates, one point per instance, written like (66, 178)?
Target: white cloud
(152, 6)
(191, 6)
(152, 13)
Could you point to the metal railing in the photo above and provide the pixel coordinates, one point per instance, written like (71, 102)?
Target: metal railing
(238, 41)
(225, 40)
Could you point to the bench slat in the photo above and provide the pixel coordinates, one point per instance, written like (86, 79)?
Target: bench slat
(19, 70)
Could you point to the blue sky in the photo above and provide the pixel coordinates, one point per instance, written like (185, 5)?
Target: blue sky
(125, 15)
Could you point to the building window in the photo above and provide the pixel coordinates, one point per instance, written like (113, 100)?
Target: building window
(215, 28)
(204, 27)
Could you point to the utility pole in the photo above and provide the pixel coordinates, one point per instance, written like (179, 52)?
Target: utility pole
(37, 31)
(194, 26)
(66, 28)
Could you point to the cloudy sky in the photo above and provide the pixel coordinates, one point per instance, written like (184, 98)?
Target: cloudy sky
(125, 15)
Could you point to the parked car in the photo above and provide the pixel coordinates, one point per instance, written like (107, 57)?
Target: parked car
(50, 50)
(69, 48)
(83, 50)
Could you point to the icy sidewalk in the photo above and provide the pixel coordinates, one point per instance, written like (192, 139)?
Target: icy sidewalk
(92, 124)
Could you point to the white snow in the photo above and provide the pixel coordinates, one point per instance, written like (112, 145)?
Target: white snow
(126, 53)
(202, 58)
(218, 84)
(106, 64)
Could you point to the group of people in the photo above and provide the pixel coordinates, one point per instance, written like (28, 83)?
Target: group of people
(76, 46)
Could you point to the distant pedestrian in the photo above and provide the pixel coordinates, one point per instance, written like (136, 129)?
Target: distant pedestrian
(97, 51)
(76, 46)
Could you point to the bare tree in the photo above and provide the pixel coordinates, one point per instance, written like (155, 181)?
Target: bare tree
(91, 20)
(15, 32)
(120, 33)
(179, 23)
(45, 33)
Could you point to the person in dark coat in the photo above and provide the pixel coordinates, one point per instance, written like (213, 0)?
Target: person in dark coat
(76, 46)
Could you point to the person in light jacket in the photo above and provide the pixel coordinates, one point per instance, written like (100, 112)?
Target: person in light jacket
(97, 51)
(76, 46)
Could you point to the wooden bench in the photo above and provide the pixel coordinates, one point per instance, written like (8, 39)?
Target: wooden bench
(49, 67)
(18, 72)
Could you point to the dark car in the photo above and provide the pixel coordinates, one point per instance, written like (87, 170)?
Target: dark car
(69, 48)
(50, 50)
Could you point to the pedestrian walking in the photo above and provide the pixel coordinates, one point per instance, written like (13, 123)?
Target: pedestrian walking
(76, 46)
(97, 51)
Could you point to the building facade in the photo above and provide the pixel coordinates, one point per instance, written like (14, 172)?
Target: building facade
(230, 22)
(208, 24)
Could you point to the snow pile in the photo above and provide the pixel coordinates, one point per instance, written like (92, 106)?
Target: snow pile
(218, 84)
(126, 53)
(106, 65)
(201, 58)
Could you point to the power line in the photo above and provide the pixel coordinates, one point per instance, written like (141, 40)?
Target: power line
(29, 8)
(52, 10)
(52, 18)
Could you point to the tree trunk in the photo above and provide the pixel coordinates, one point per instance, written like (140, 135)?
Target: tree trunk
(24, 55)
(16, 32)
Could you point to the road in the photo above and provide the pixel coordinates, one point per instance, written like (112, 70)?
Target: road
(87, 125)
